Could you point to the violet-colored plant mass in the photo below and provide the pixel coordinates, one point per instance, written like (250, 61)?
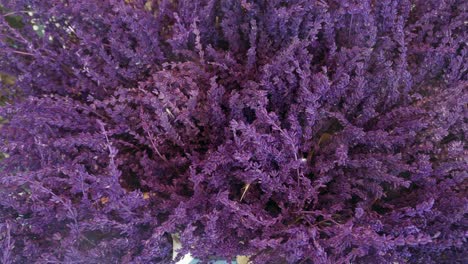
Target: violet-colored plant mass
(328, 131)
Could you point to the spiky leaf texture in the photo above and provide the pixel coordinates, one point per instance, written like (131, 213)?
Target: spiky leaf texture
(329, 131)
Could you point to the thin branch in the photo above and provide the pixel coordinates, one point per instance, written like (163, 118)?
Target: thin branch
(246, 188)
(16, 12)
(153, 144)
(21, 52)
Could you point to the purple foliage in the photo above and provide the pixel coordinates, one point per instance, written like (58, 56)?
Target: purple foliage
(329, 131)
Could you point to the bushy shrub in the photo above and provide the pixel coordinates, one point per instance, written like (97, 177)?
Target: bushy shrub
(299, 131)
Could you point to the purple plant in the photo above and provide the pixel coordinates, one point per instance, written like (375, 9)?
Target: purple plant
(329, 131)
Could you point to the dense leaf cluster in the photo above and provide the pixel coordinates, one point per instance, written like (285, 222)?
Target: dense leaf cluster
(302, 131)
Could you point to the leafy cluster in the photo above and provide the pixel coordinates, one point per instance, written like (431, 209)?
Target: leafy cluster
(301, 131)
